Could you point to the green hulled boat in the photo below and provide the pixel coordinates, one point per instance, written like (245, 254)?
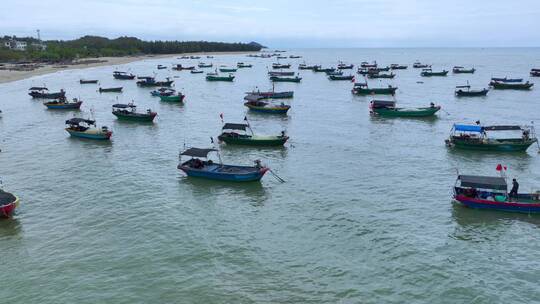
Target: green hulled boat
(389, 109)
(179, 97)
(228, 70)
(363, 89)
(217, 77)
(341, 77)
(265, 107)
(499, 85)
(129, 112)
(430, 73)
(236, 134)
(476, 137)
(285, 79)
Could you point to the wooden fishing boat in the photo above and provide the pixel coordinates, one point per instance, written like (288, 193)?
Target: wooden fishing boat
(242, 65)
(42, 92)
(418, 65)
(462, 70)
(380, 75)
(217, 77)
(123, 75)
(200, 166)
(505, 79)
(161, 67)
(237, 134)
(194, 57)
(341, 77)
(111, 90)
(294, 56)
(389, 109)
(429, 73)
(367, 71)
(320, 69)
(281, 66)
(476, 137)
(129, 112)
(8, 203)
(363, 89)
(87, 81)
(151, 82)
(343, 66)
(196, 72)
(395, 66)
(178, 97)
(265, 107)
(465, 91)
(281, 57)
(490, 192)
(183, 57)
(280, 73)
(227, 70)
(285, 79)
(180, 67)
(209, 57)
(86, 128)
(535, 73)
(63, 104)
(304, 66)
(204, 65)
(366, 64)
(163, 92)
(257, 95)
(510, 85)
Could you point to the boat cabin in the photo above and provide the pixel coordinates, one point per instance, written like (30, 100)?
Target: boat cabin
(483, 187)
(382, 104)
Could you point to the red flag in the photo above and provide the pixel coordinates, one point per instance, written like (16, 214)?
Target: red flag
(504, 168)
(353, 80)
(499, 167)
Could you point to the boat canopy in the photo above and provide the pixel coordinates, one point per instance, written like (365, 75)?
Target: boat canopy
(502, 128)
(235, 126)
(38, 89)
(123, 106)
(196, 152)
(468, 128)
(484, 182)
(383, 104)
(76, 121)
(463, 87)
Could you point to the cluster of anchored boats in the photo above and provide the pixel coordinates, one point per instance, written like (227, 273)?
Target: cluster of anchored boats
(472, 191)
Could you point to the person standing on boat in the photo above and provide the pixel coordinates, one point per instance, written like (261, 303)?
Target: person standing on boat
(515, 188)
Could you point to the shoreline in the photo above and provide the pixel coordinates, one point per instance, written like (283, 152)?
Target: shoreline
(7, 76)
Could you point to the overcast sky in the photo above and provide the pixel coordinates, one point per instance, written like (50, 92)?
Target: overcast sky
(285, 23)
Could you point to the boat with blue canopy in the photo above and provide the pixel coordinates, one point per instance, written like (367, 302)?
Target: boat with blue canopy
(491, 192)
(200, 166)
(476, 137)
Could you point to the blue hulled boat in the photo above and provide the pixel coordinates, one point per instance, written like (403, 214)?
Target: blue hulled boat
(200, 166)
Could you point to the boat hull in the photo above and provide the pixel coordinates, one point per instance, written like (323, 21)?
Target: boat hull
(460, 93)
(138, 117)
(213, 78)
(7, 210)
(98, 135)
(420, 112)
(495, 147)
(494, 205)
(380, 91)
(268, 110)
(223, 176)
(254, 141)
(175, 98)
(68, 106)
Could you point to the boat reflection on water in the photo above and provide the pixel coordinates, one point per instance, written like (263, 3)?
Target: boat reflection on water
(10, 227)
(206, 190)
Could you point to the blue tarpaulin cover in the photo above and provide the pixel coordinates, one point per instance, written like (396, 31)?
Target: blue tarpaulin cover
(468, 128)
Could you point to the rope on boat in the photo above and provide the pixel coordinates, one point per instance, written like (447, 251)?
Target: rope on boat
(276, 176)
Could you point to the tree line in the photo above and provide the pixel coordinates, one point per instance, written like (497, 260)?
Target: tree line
(94, 46)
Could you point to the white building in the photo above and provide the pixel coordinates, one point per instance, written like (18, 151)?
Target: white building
(16, 45)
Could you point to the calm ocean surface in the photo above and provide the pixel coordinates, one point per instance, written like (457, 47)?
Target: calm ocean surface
(365, 215)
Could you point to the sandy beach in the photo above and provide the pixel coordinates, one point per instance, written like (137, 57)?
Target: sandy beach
(10, 75)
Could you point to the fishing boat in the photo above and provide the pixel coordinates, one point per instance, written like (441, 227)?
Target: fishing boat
(364, 89)
(256, 95)
(43, 92)
(200, 166)
(381, 75)
(511, 85)
(367, 71)
(194, 57)
(462, 70)
(162, 92)
(337, 72)
(535, 73)
(123, 75)
(505, 79)
(129, 112)
(175, 97)
(285, 79)
(304, 66)
(265, 107)
(281, 57)
(491, 192)
(151, 82)
(379, 69)
(341, 77)
(111, 90)
(344, 66)
(161, 67)
(465, 91)
(418, 65)
(204, 65)
(242, 65)
(8, 203)
(87, 81)
(281, 66)
(320, 69)
(63, 104)
(227, 70)
(217, 77)
(280, 73)
(196, 72)
(180, 67)
(86, 128)
(366, 64)
(389, 109)
(395, 66)
(429, 73)
(476, 137)
(209, 57)
(183, 57)
(237, 134)
(294, 56)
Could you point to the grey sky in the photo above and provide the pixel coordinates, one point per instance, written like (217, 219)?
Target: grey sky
(285, 23)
